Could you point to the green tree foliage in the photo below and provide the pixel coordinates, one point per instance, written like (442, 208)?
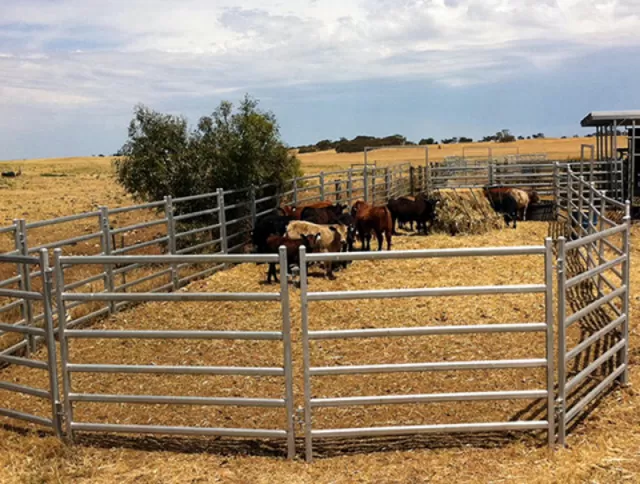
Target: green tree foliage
(504, 136)
(357, 144)
(427, 141)
(465, 139)
(231, 148)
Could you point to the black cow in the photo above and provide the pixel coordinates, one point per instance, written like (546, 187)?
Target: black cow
(265, 227)
(421, 210)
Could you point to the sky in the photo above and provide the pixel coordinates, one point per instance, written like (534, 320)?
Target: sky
(71, 71)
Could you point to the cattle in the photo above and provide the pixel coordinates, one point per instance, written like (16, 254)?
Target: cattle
(330, 238)
(522, 197)
(265, 227)
(322, 215)
(503, 202)
(421, 210)
(296, 212)
(372, 219)
(273, 244)
(11, 174)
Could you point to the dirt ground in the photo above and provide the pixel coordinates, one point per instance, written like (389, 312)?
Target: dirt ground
(603, 447)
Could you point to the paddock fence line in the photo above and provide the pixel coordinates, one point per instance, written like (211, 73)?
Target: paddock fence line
(33, 334)
(546, 177)
(307, 298)
(220, 224)
(593, 270)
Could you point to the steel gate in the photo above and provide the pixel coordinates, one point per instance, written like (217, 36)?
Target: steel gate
(33, 334)
(546, 327)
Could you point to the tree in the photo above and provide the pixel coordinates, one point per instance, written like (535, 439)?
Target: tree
(229, 149)
(538, 136)
(520, 137)
(464, 139)
(427, 141)
(505, 136)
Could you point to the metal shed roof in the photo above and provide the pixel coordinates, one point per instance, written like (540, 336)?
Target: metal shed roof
(607, 118)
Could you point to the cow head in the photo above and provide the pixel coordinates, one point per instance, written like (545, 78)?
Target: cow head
(534, 197)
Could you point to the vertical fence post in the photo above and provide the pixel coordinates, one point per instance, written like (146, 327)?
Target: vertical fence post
(338, 188)
(321, 179)
(626, 281)
(365, 176)
(24, 271)
(412, 180)
(570, 204)
(350, 186)
(387, 184)
(222, 220)
(171, 232)
(106, 250)
(49, 337)
(288, 361)
(556, 189)
(373, 186)
(562, 343)
(548, 302)
(429, 182)
(252, 205)
(491, 174)
(64, 344)
(601, 260)
(306, 358)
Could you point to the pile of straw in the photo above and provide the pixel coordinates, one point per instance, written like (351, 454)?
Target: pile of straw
(465, 212)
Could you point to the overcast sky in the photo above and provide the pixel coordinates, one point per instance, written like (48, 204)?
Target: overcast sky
(72, 70)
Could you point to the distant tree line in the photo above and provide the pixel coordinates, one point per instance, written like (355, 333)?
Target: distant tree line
(359, 143)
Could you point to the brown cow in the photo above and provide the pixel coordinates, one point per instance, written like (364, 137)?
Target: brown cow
(372, 219)
(296, 212)
(522, 197)
(273, 246)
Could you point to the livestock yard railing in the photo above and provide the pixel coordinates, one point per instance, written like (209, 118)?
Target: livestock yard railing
(46, 333)
(69, 368)
(110, 258)
(547, 178)
(546, 327)
(219, 222)
(593, 287)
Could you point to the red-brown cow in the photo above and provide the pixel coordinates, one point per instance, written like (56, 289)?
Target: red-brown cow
(372, 219)
(296, 212)
(293, 246)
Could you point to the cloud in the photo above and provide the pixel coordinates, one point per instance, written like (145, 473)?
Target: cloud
(80, 53)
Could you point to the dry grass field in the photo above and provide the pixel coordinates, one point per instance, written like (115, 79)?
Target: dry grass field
(603, 448)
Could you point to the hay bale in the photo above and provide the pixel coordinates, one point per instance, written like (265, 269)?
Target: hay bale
(465, 212)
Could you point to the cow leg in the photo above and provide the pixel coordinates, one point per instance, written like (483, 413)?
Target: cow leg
(272, 272)
(379, 237)
(393, 224)
(388, 236)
